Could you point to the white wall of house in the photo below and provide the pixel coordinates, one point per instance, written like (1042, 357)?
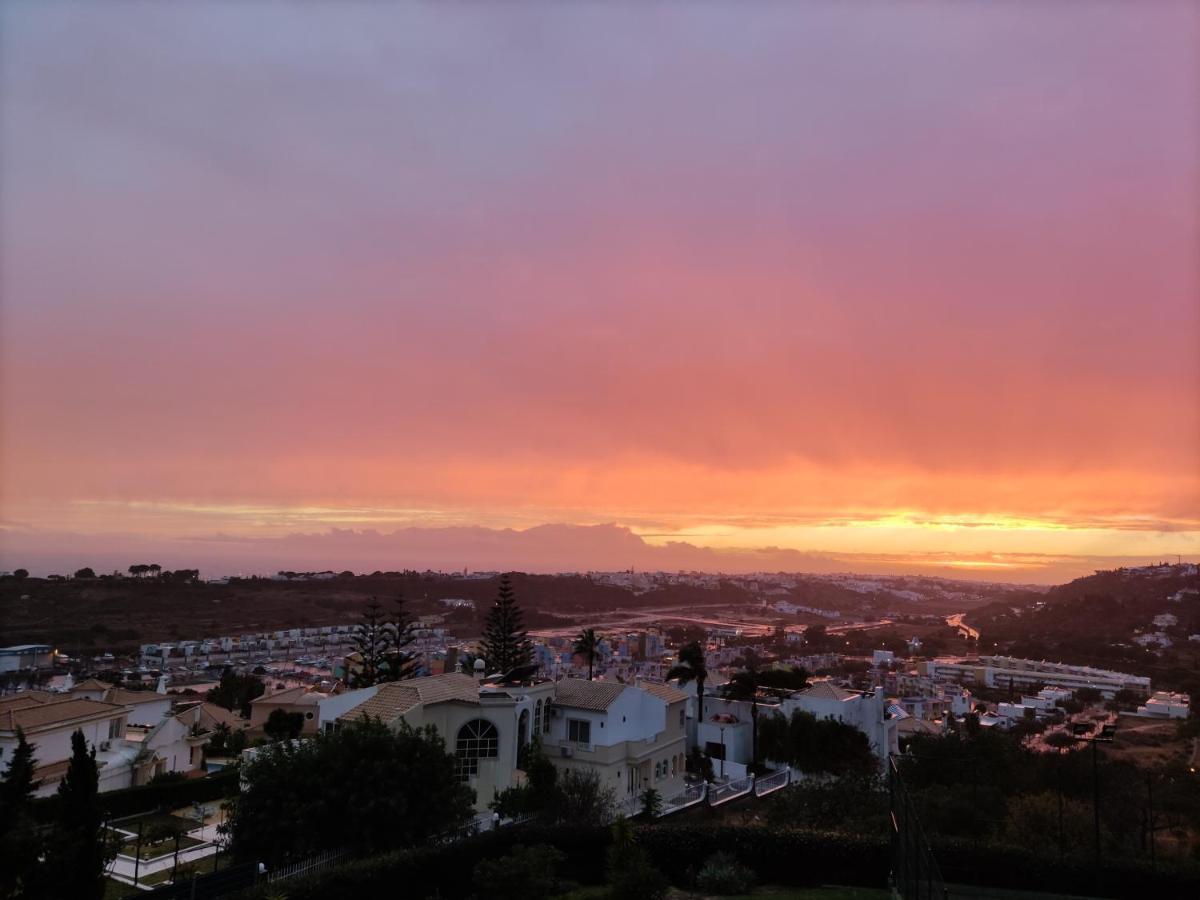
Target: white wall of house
(151, 712)
(329, 708)
(866, 712)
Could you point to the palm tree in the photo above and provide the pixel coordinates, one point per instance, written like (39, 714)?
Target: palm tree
(691, 667)
(743, 685)
(587, 642)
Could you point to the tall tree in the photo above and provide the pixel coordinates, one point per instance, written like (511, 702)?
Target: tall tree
(505, 643)
(744, 685)
(20, 840)
(77, 851)
(586, 644)
(691, 667)
(366, 787)
(371, 641)
(401, 662)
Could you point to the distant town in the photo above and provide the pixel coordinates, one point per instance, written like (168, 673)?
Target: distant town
(679, 701)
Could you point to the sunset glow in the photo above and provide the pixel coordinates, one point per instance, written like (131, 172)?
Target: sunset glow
(695, 275)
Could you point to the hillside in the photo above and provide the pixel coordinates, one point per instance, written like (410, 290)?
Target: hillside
(1105, 619)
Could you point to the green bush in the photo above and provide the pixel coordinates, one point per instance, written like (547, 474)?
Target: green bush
(522, 872)
(723, 874)
(630, 874)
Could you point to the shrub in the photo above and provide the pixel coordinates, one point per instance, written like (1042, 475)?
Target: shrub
(522, 872)
(723, 874)
(630, 874)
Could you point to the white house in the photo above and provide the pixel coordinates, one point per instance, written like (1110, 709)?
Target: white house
(1166, 704)
(49, 720)
(865, 710)
(634, 737)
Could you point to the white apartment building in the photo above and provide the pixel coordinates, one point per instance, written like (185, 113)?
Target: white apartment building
(26, 656)
(1005, 671)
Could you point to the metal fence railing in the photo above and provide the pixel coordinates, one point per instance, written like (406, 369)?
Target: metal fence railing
(769, 784)
(915, 872)
(723, 793)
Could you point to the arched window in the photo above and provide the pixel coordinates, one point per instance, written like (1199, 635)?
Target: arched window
(477, 739)
(537, 718)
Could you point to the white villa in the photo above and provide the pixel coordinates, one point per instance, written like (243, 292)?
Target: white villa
(632, 736)
(126, 754)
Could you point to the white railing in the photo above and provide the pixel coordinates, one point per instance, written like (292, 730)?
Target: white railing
(312, 864)
(689, 796)
(730, 790)
(768, 784)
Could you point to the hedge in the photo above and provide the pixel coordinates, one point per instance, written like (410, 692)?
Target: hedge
(782, 857)
(1003, 866)
(152, 797)
(786, 857)
(445, 871)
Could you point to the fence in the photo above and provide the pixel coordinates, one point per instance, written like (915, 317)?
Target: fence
(915, 873)
(731, 790)
(312, 864)
(769, 784)
(689, 796)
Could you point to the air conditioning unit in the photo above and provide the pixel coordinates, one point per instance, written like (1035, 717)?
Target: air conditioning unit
(567, 751)
(104, 745)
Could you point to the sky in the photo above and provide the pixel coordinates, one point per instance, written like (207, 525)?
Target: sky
(828, 287)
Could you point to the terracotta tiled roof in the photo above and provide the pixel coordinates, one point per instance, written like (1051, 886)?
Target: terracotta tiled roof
(663, 691)
(91, 684)
(581, 694)
(398, 697)
(46, 715)
(52, 772)
(292, 696)
(126, 697)
(24, 700)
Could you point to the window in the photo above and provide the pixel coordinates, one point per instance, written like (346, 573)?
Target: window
(579, 731)
(114, 728)
(477, 739)
(674, 761)
(537, 717)
(681, 714)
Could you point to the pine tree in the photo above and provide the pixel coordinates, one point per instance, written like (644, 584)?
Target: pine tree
(401, 662)
(20, 840)
(371, 640)
(77, 851)
(505, 643)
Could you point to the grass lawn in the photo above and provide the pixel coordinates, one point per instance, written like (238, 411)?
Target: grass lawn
(162, 821)
(200, 867)
(766, 892)
(118, 890)
(162, 848)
